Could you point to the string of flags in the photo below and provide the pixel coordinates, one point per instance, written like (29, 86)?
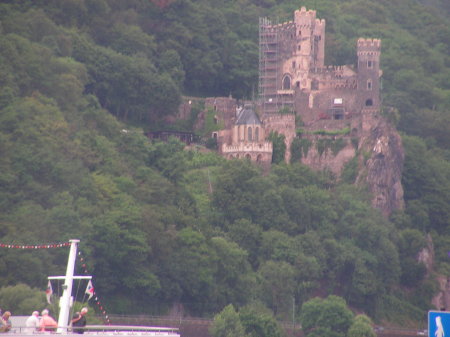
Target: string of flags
(90, 291)
(53, 245)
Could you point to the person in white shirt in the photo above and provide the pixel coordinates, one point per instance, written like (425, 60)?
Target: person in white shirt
(32, 322)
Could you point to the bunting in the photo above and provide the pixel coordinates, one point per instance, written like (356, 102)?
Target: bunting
(90, 290)
(53, 245)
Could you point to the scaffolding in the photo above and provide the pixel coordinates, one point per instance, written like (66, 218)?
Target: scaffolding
(271, 95)
(268, 66)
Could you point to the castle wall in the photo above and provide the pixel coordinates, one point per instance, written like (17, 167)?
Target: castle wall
(225, 108)
(260, 152)
(322, 105)
(328, 160)
(283, 124)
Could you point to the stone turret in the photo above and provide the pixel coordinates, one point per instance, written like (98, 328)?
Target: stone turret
(369, 73)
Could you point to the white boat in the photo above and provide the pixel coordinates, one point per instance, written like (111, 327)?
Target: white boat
(90, 330)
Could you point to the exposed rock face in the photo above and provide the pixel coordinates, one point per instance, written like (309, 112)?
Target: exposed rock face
(328, 160)
(426, 256)
(380, 153)
(382, 171)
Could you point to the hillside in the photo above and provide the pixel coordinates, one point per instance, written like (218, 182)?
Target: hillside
(164, 228)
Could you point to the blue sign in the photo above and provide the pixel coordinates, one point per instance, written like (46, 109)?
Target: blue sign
(438, 324)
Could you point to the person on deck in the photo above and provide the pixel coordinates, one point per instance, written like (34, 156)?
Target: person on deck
(32, 323)
(79, 320)
(5, 322)
(47, 322)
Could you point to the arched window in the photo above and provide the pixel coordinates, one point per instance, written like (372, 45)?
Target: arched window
(247, 156)
(259, 158)
(369, 102)
(249, 138)
(286, 83)
(257, 134)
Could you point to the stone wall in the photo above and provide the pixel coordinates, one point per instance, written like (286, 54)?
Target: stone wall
(283, 124)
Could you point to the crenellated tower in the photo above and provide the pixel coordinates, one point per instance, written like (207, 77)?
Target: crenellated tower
(369, 73)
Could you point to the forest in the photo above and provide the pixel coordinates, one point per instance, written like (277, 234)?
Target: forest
(163, 227)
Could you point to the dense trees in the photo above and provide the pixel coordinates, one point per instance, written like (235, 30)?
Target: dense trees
(161, 226)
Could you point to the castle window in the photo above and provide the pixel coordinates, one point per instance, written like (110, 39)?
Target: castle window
(247, 156)
(259, 158)
(369, 64)
(369, 84)
(249, 134)
(314, 84)
(257, 134)
(299, 47)
(214, 135)
(369, 102)
(293, 64)
(286, 83)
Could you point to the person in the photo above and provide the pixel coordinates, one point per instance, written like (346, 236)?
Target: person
(5, 322)
(47, 322)
(32, 323)
(79, 320)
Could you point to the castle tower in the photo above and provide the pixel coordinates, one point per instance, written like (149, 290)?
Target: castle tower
(287, 53)
(369, 73)
(310, 38)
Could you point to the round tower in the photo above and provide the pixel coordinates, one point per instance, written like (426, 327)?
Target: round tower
(369, 73)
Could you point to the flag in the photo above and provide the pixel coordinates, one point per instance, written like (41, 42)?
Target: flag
(49, 292)
(90, 290)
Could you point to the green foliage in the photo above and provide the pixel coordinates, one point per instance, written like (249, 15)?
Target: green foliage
(330, 315)
(259, 323)
(211, 143)
(361, 326)
(285, 111)
(160, 225)
(341, 132)
(426, 182)
(211, 123)
(400, 310)
(279, 147)
(350, 171)
(335, 145)
(299, 149)
(277, 284)
(227, 324)
(21, 299)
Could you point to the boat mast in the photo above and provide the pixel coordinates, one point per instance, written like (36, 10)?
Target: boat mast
(64, 302)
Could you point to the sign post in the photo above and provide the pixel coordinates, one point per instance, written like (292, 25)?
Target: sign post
(438, 323)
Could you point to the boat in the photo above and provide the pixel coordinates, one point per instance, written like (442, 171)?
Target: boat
(89, 330)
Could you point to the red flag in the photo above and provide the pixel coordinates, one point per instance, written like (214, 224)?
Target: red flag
(49, 292)
(90, 290)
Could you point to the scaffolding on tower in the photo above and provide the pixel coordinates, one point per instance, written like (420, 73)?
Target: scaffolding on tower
(268, 66)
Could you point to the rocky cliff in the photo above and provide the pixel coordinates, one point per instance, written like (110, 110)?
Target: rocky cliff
(382, 171)
(376, 147)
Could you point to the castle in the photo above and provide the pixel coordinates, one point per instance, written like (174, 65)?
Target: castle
(294, 79)
(329, 116)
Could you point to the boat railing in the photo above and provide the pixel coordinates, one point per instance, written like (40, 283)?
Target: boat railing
(102, 330)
